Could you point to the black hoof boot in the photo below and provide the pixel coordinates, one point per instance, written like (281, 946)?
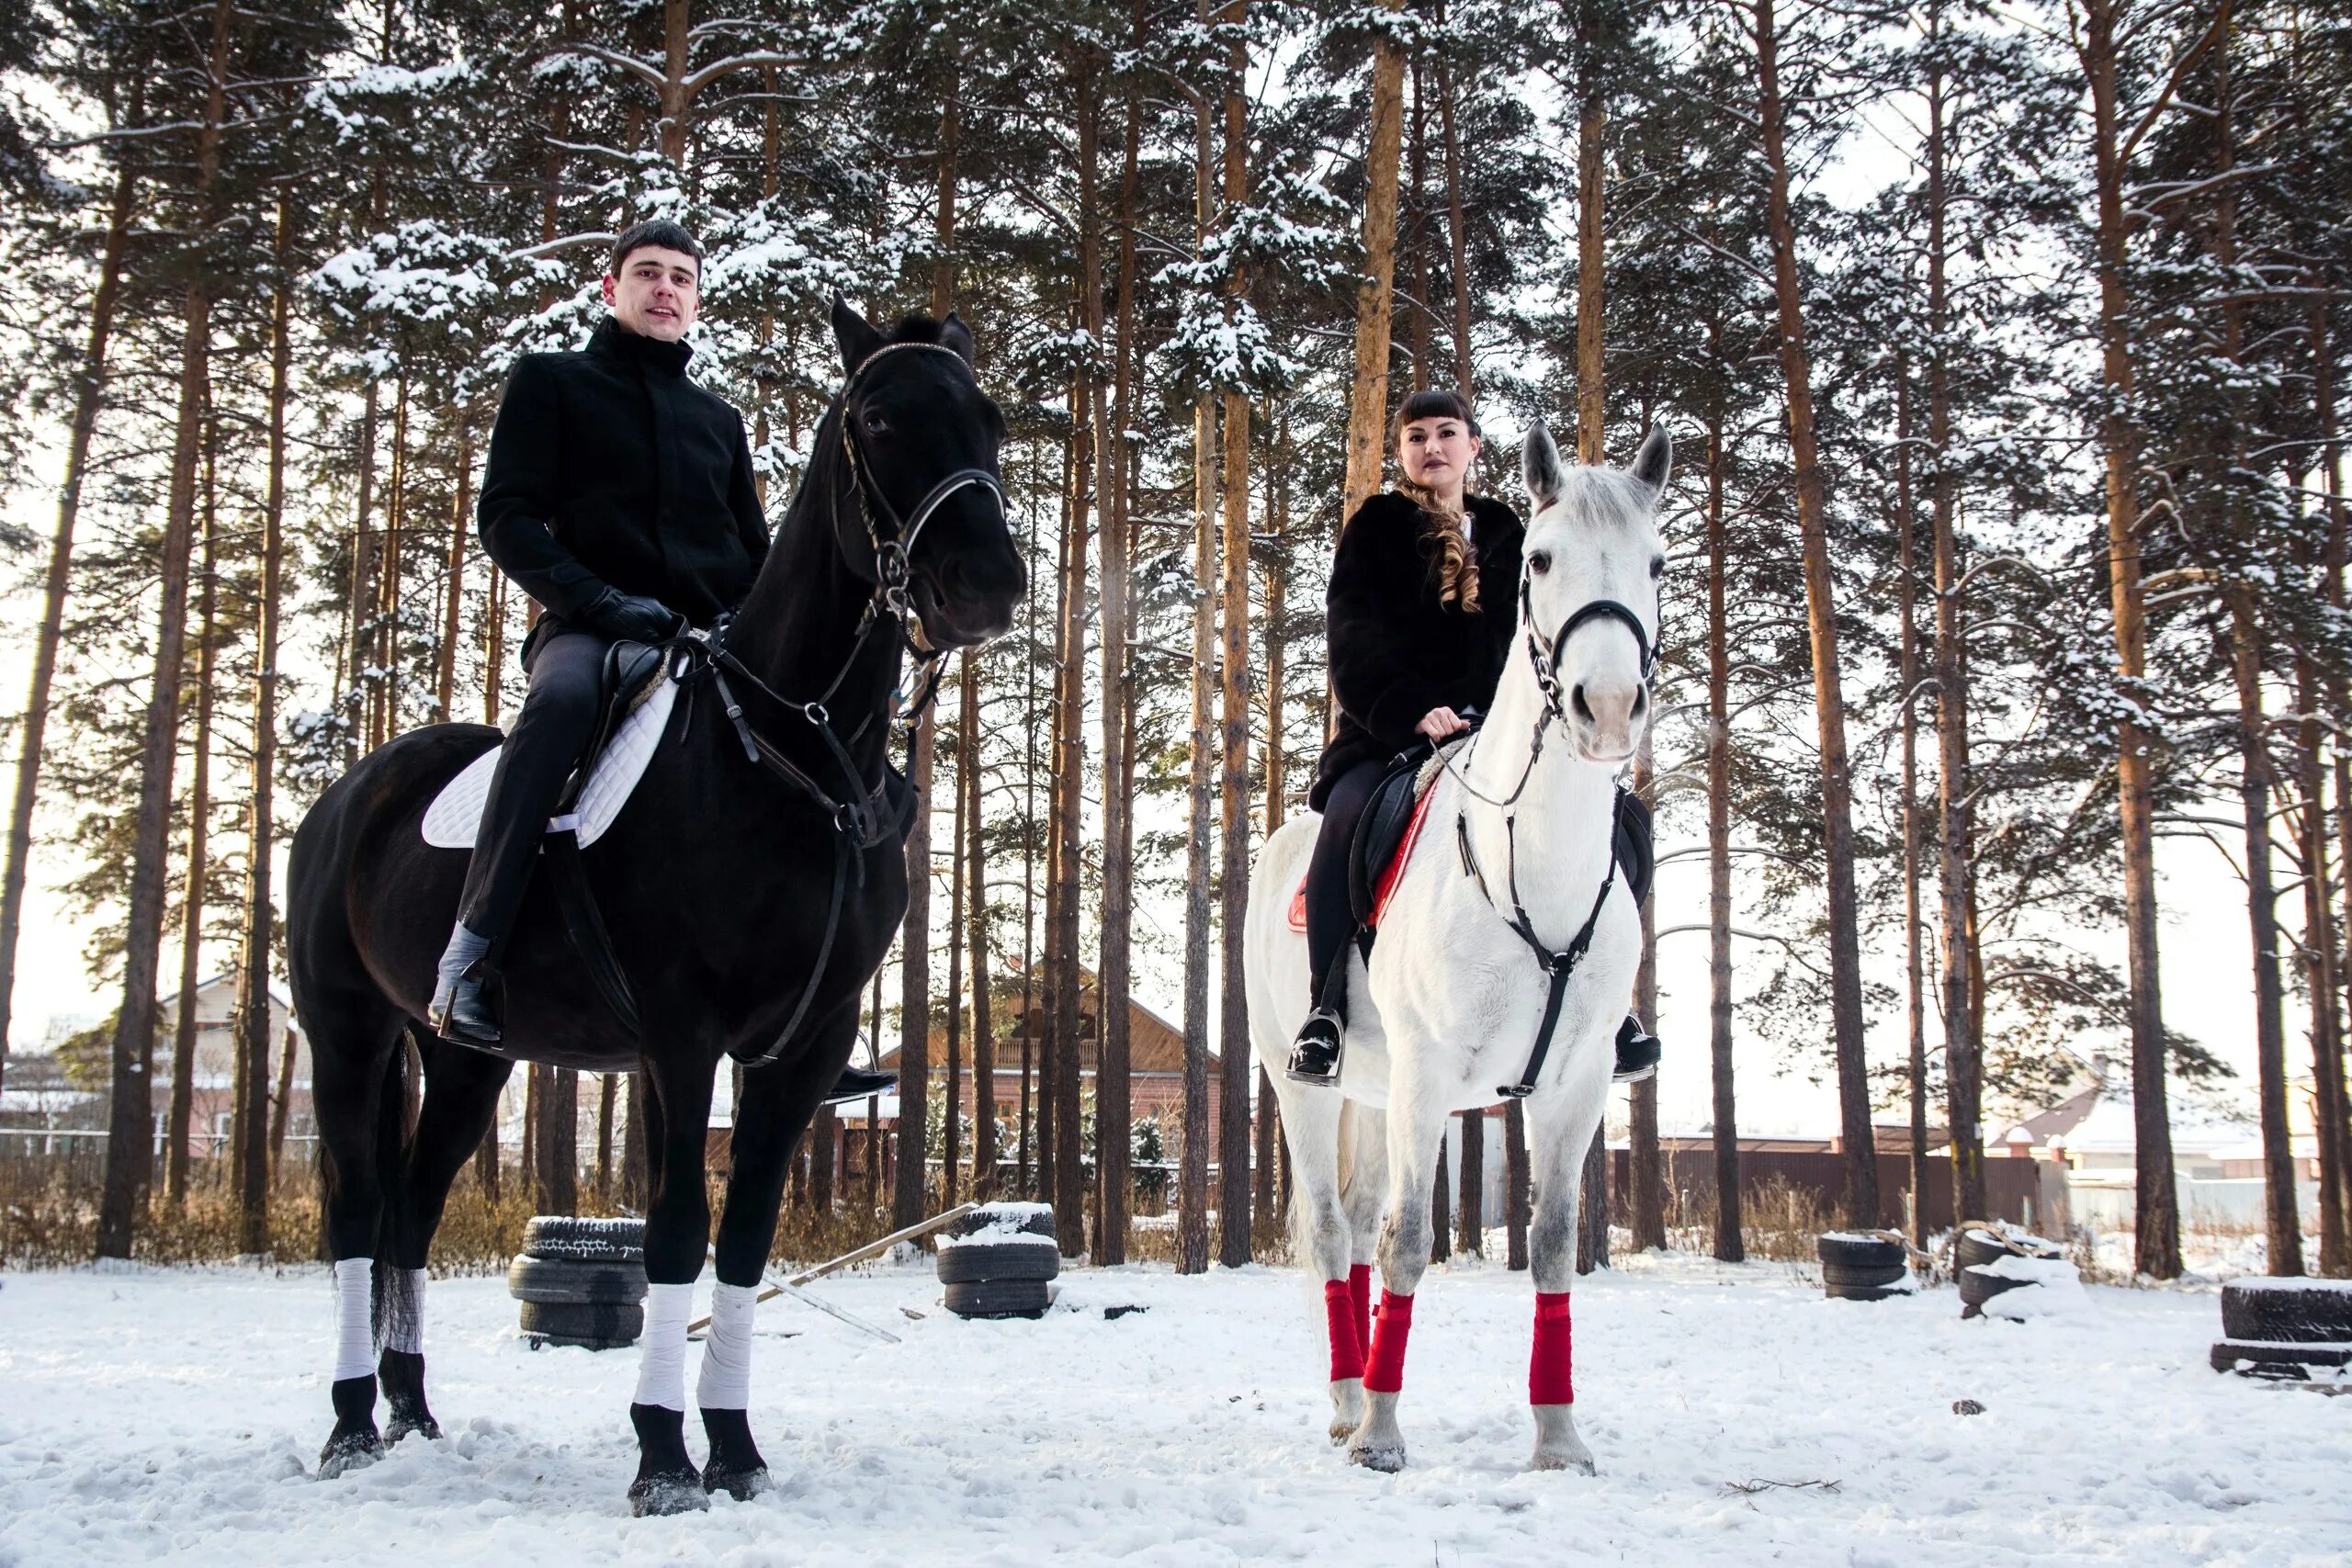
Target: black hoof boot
(462, 1012)
(1315, 1054)
(1638, 1051)
(402, 1376)
(354, 1442)
(856, 1083)
(667, 1481)
(735, 1466)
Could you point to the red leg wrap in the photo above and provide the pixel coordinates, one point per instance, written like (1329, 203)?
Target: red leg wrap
(1360, 1295)
(1347, 1345)
(1384, 1372)
(1548, 1378)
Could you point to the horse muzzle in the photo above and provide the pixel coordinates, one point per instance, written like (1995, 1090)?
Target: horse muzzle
(1606, 717)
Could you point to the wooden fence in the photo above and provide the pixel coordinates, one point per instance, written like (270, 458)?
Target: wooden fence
(2030, 1192)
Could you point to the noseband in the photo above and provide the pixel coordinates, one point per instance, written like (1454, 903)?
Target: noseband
(1546, 660)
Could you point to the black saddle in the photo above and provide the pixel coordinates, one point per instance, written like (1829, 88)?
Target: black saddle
(628, 669)
(1379, 834)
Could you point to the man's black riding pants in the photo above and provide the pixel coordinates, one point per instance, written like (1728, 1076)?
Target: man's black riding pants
(558, 717)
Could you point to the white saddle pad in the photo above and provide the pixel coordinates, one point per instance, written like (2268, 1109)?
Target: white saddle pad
(454, 819)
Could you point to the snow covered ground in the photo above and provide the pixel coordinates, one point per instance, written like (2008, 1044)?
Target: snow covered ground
(154, 1417)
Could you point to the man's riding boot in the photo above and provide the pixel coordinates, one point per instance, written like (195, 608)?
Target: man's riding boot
(1637, 1051)
(1315, 1053)
(461, 1010)
(857, 1083)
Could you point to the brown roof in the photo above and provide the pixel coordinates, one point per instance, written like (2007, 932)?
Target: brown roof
(1154, 1044)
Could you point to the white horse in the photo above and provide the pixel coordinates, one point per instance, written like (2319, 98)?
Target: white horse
(1452, 1004)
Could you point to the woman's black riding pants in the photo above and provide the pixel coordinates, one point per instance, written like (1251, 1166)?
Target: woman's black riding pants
(1331, 917)
(558, 719)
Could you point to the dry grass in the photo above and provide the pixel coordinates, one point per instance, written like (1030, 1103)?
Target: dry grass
(1779, 1222)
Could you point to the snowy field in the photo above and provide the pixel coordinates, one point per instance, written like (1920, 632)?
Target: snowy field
(174, 1417)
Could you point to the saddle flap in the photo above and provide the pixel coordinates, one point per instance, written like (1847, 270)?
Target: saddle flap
(1382, 828)
(454, 819)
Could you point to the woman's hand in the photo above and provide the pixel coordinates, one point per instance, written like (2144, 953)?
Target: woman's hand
(1440, 725)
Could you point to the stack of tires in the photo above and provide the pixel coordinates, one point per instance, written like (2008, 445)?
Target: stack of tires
(1000, 1260)
(580, 1281)
(2282, 1328)
(1981, 1261)
(1864, 1266)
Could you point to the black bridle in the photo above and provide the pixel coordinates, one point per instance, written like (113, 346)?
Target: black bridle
(1558, 964)
(860, 813)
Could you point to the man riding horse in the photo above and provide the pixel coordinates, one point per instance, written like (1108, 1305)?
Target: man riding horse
(619, 495)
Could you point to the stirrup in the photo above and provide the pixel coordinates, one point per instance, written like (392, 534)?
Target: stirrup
(477, 1025)
(1319, 1033)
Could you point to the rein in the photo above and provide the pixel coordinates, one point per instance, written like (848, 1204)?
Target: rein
(1558, 964)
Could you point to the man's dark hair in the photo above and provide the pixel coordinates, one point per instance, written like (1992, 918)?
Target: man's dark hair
(658, 231)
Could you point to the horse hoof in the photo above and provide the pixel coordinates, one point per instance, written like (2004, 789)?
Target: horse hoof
(1581, 1463)
(669, 1494)
(1341, 1429)
(740, 1485)
(1386, 1458)
(347, 1451)
(411, 1423)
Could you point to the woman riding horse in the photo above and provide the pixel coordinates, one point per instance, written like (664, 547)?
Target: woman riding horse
(1420, 616)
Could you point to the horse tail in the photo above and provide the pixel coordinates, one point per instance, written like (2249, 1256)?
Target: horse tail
(391, 1163)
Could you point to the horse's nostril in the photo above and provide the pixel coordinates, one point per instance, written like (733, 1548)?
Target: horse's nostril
(1584, 709)
(1640, 701)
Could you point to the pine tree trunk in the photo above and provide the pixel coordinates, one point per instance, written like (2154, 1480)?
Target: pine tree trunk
(1592, 1210)
(1516, 1190)
(1368, 391)
(1859, 1202)
(637, 1188)
(2336, 1151)
(968, 774)
(1416, 235)
(245, 1141)
(1907, 679)
(1645, 1162)
(606, 1092)
(253, 1019)
(1730, 1245)
(2156, 1236)
(1593, 409)
(1233, 880)
(89, 393)
(1963, 1067)
(1457, 230)
(1113, 1084)
(951, 1152)
(461, 508)
(1192, 1177)
(129, 1154)
(1470, 1208)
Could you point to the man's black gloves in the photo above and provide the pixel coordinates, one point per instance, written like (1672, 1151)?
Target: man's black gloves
(631, 618)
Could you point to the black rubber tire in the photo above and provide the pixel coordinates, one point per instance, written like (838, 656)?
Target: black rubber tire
(1861, 1293)
(1860, 1252)
(617, 1323)
(1000, 1298)
(2300, 1311)
(1024, 1219)
(1976, 1289)
(559, 1281)
(1006, 1260)
(1868, 1278)
(2234, 1355)
(584, 1240)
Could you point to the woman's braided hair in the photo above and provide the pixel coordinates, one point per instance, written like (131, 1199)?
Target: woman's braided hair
(1457, 575)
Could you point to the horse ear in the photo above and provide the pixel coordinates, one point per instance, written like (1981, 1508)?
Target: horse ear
(857, 339)
(955, 335)
(1539, 467)
(1654, 460)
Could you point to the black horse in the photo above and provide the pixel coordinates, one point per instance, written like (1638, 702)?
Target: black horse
(721, 884)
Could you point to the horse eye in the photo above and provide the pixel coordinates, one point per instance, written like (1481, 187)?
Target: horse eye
(876, 422)
(1657, 568)
(1540, 562)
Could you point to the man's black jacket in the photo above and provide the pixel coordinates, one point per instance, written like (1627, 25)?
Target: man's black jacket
(1395, 650)
(609, 467)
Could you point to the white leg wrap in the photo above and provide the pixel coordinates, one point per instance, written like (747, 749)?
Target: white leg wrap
(355, 1341)
(725, 1381)
(661, 1374)
(404, 1327)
